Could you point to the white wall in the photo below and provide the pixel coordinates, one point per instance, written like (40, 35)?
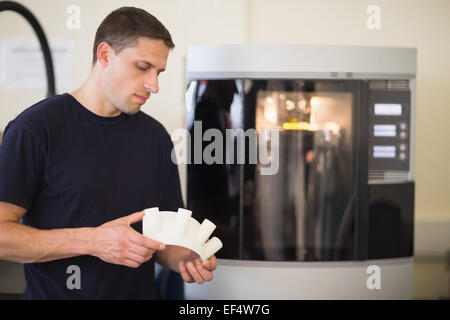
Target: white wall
(424, 24)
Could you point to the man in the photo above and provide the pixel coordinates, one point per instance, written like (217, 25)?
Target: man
(80, 168)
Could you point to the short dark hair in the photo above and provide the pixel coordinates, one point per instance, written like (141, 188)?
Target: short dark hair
(122, 27)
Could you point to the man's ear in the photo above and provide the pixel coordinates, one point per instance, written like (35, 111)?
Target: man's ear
(104, 53)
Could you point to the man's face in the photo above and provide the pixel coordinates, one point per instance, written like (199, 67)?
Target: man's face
(132, 75)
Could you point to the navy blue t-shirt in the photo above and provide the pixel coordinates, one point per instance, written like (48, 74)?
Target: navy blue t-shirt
(71, 168)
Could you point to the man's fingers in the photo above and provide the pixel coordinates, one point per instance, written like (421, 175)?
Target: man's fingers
(210, 264)
(144, 241)
(194, 273)
(153, 244)
(142, 251)
(206, 274)
(183, 272)
(131, 263)
(136, 258)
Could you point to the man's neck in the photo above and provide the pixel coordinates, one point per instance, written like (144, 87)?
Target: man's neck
(91, 96)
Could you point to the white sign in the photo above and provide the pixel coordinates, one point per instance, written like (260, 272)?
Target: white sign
(387, 109)
(22, 64)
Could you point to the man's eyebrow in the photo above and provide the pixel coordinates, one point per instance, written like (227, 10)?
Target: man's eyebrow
(149, 64)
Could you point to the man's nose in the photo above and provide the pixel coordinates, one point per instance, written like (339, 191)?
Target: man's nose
(151, 82)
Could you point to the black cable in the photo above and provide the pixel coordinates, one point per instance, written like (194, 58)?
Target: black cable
(16, 7)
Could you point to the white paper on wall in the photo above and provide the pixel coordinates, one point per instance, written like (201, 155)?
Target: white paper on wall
(22, 64)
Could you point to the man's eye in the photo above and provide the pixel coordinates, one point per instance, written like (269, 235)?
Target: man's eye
(141, 68)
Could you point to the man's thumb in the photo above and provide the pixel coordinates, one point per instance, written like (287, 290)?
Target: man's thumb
(135, 217)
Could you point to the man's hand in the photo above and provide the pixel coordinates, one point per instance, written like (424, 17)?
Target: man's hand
(117, 242)
(194, 270)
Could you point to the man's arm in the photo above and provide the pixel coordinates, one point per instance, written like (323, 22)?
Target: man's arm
(115, 242)
(20, 243)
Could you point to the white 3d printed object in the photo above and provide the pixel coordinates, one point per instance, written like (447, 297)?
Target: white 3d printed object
(180, 229)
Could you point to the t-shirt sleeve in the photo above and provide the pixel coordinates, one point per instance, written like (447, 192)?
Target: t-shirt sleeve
(22, 159)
